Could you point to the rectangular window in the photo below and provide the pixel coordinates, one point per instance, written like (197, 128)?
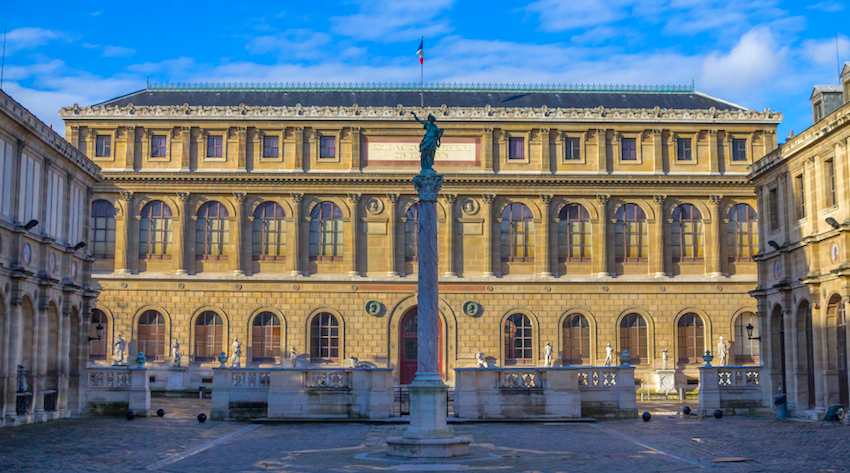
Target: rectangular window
(214, 148)
(573, 149)
(516, 148)
(103, 146)
(270, 147)
(830, 173)
(683, 149)
(739, 150)
(158, 146)
(818, 111)
(801, 193)
(629, 149)
(773, 202)
(327, 147)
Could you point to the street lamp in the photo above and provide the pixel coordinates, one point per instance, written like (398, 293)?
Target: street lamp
(832, 222)
(99, 329)
(750, 333)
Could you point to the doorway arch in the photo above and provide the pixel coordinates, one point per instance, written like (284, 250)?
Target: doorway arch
(408, 346)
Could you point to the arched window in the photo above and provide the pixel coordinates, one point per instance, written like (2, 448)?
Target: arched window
(265, 344)
(573, 234)
(746, 350)
(152, 335)
(518, 341)
(155, 231)
(269, 241)
(411, 233)
(98, 348)
(691, 338)
(103, 229)
(633, 338)
(211, 231)
(324, 337)
(630, 233)
(326, 232)
(517, 233)
(687, 234)
(209, 332)
(576, 332)
(742, 237)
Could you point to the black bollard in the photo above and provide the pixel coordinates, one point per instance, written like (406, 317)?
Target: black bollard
(160, 412)
(718, 414)
(202, 417)
(686, 410)
(131, 415)
(646, 416)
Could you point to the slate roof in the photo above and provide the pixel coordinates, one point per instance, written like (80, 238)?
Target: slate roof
(434, 98)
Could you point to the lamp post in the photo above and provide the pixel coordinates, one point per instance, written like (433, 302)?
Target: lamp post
(99, 330)
(750, 333)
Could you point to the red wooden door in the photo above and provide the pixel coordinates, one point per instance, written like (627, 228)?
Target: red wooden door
(408, 347)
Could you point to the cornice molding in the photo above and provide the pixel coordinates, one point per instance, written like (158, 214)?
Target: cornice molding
(462, 114)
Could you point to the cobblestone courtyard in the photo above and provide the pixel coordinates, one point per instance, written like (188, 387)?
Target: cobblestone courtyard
(178, 443)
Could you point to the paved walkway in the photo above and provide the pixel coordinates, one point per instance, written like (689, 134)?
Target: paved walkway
(179, 443)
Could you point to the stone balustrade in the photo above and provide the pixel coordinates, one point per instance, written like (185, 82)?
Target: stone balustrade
(735, 390)
(115, 390)
(302, 393)
(541, 393)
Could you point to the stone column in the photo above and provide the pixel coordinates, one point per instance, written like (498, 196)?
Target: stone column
(294, 250)
(351, 253)
(64, 361)
(656, 250)
(238, 269)
(39, 355)
(542, 256)
(392, 234)
(600, 242)
(487, 211)
(180, 237)
(450, 200)
(123, 237)
(714, 238)
(428, 435)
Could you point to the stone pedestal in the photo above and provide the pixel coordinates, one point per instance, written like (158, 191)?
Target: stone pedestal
(140, 392)
(665, 381)
(428, 435)
(176, 378)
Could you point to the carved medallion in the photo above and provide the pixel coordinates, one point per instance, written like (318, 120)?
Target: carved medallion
(471, 308)
(374, 206)
(374, 308)
(470, 206)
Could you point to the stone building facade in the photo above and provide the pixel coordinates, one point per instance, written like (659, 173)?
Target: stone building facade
(45, 274)
(803, 272)
(285, 216)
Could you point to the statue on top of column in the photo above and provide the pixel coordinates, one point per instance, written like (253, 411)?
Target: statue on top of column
(429, 144)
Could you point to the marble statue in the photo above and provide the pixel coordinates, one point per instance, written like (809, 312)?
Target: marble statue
(293, 355)
(722, 351)
(235, 353)
(482, 362)
(547, 354)
(22, 379)
(664, 359)
(429, 144)
(609, 355)
(175, 352)
(119, 351)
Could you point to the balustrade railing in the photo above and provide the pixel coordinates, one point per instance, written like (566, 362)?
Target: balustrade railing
(589, 378)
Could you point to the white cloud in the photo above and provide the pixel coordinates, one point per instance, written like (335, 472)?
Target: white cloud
(827, 6)
(826, 51)
(31, 38)
(560, 15)
(395, 20)
(296, 43)
(118, 51)
(748, 67)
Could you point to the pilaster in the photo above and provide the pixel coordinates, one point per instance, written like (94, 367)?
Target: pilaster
(355, 148)
(392, 235)
(298, 134)
(294, 248)
(487, 150)
(487, 211)
(124, 236)
(186, 152)
(602, 150)
(242, 148)
(130, 153)
(543, 263)
(449, 200)
(714, 238)
(713, 153)
(179, 239)
(351, 253)
(236, 261)
(657, 150)
(600, 243)
(545, 159)
(656, 237)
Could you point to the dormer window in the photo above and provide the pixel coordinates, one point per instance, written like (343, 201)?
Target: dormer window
(817, 110)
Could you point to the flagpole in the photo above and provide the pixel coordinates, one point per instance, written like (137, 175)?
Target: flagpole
(422, 78)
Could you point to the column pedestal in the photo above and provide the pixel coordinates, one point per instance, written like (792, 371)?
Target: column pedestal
(428, 435)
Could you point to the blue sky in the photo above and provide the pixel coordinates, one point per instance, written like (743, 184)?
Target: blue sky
(764, 53)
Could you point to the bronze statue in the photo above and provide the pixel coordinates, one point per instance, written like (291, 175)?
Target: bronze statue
(429, 144)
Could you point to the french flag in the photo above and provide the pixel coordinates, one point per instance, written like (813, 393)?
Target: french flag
(419, 51)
